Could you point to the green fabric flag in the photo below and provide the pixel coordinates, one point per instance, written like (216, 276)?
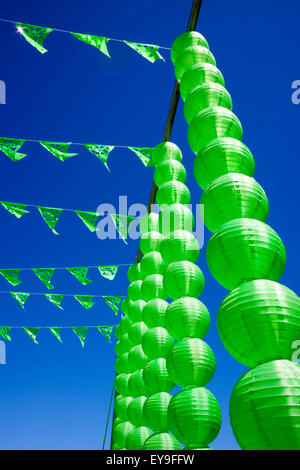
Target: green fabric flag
(32, 332)
(11, 275)
(85, 300)
(50, 216)
(109, 272)
(55, 299)
(35, 35)
(15, 208)
(4, 332)
(113, 302)
(45, 275)
(59, 149)
(21, 297)
(106, 331)
(100, 151)
(81, 332)
(122, 223)
(80, 274)
(97, 41)
(55, 331)
(144, 154)
(149, 51)
(88, 218)
(10, 148)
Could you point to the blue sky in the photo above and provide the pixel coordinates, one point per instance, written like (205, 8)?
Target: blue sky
(55, 396)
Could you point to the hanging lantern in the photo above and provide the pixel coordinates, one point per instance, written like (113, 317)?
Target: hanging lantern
(205, 96)
(124, 325)
(175, 217)
(134, 290)
(134, 310)
(135, 411)
(150, 241)
(172, 192)
(154, 312)
(245, 249)
(156, 376)
(199, 73)
(156, 411)
(191, 362)
(194, 416)
(166, 151)
(134, 272)
(212, 123)
(137, 437)
(264, 407)
(169, 170)
(156, 342)
(121, 406)
(161, 441)
(123, 345)
(121, 364)
(121, 431)
(180, 245)
(233, 196)
(153, 287)
(152, 263)
(117, 447)
(222, 156)
(121, 384)
(259, 321)
(148, 223)
(136, 331)
(183, 278)
(136, 384)
(187, 39)
(196, 448)
(137, 359)
(187, 317)
(190, 56)
(124, 305)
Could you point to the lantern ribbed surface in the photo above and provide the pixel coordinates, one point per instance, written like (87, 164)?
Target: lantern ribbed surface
(134, 272)
(173, 192)
(122, 365)
(137, 359)
(150, 241)
(259, 321)
(197, 74)
(121, 406)
(180, 245)
(148, 223)
(123, 345)
(192, 55)
(169, 170)
(153, 287)
(187, 317)
(121, 431)
(156, 376)
(187, 39)
(121, 384)
(136, 331)
(205, 96)
(134, 290)
(166, 151)
(124, 325)
(156, 411)
(154, 312)
(153, 263)
(245, 249)
(124, 305)
(183, 278)
(134, 310)
(175, 217)
(135, 411)
(137, 437)
(136, 384)
(156, 342)
(264, 407)
(161, 441)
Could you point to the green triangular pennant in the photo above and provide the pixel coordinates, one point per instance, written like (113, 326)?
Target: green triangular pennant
(113, 302)
(106, 331)
(122, 223)
(149, 51)
(109, 272)
(11, 275)
(97, 41)
(81, 332)
(10, 148)
(55, 299)
(15, 208)
(21, 297)
(55, 331)
(80, 274)
(35, 35)
(85, 300)
(100, 151)
(50, 216)
(45, 275)
(32, 332)
(144, 154)
(59, 149)
(4, 332)
(89, 219)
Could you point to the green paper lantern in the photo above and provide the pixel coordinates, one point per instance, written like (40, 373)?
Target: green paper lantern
(123, 345)
(124, 325)
(134, 273)
(134, 309)
(187, 317)
(183, 278)
(196, 448)
(172, 192)
(121, 384)
(137, 437)
(121, 431)
(175, 217)
(156, 411)
(135, 411)
(233, 196)
(154, 312)
(161, 441)
(212, 123)
(137, 359)
(149, 223)
(156, 342)
(117, 447)
(198, 74)
(190, 56)
(122, 365)
(152, 263)
(134, 290)
(187, 39)
(222, 156)
(124, 305)
(194, 416)
(205, 96)
(180, 245)
(136, 384)
(264, 407)
(136, 332)
(153, 287)
(169, 170)
(245, 249)
(150, 241)
(117, 332)
(259, 321)
(121, 406)
(156, 376)
(166, 151)
(191, 362)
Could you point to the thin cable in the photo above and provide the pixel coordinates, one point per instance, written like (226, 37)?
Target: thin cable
(42, 327)
(56, 293)
(67, 267)
(72, 143)
(108, 416)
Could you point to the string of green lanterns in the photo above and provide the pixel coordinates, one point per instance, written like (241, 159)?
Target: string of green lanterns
(260, 319)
